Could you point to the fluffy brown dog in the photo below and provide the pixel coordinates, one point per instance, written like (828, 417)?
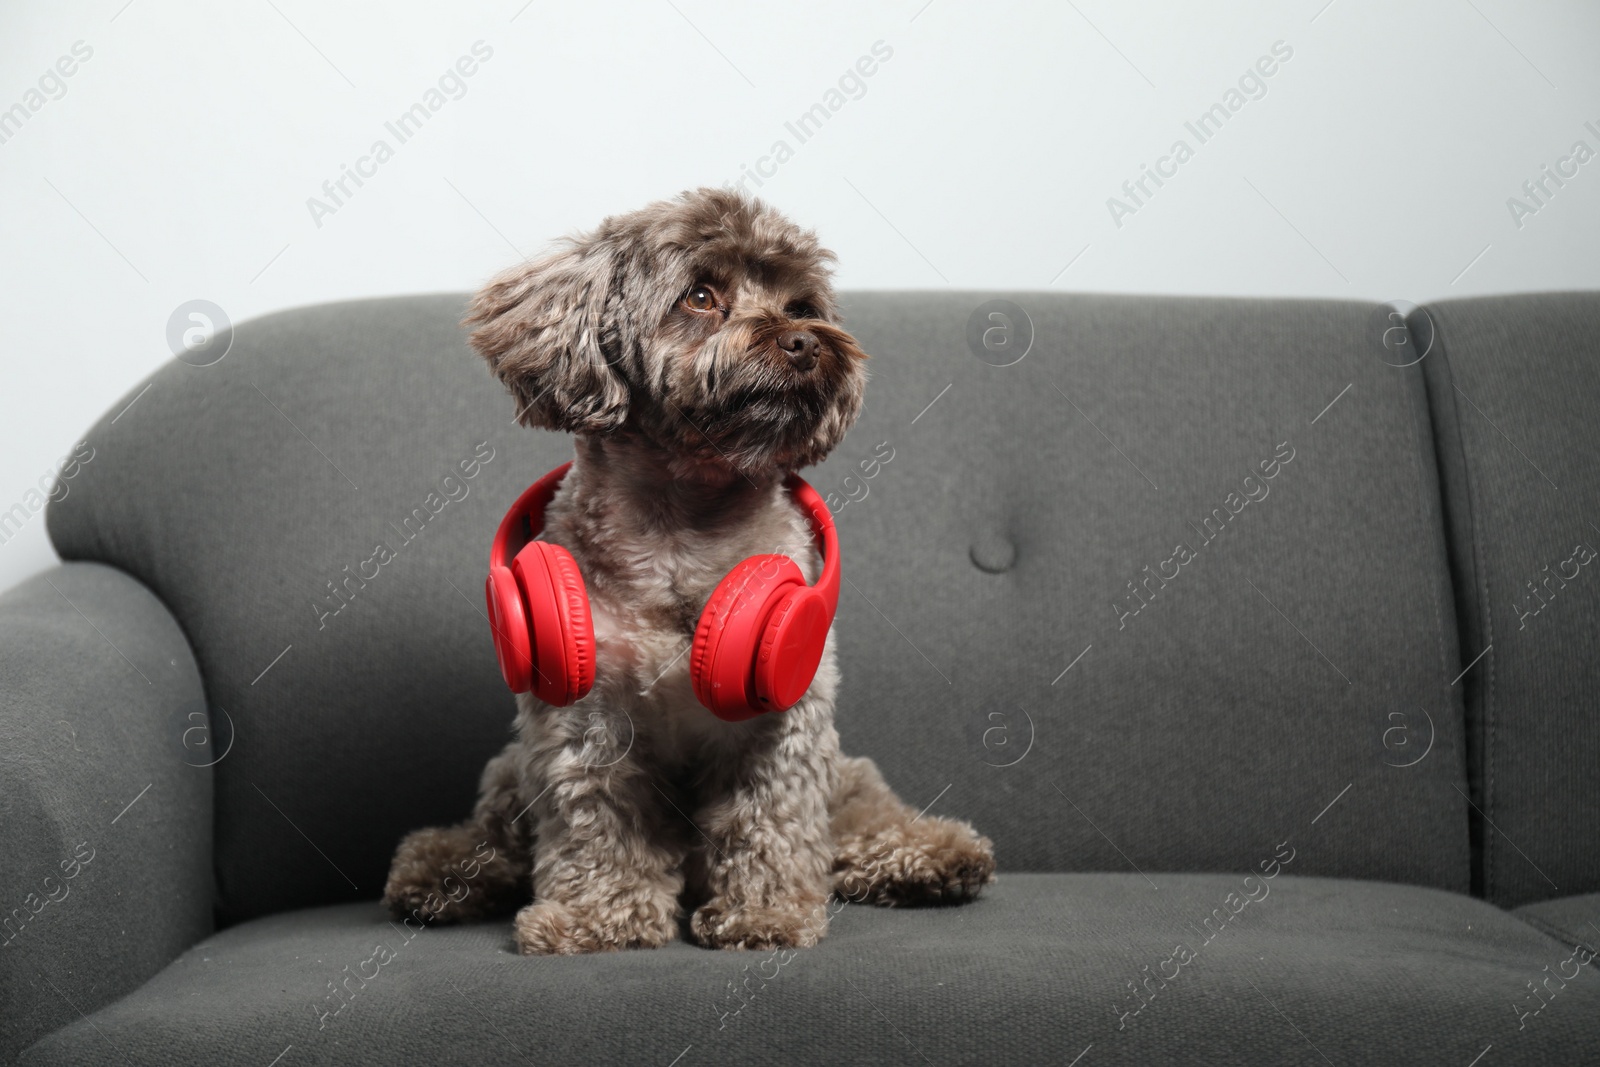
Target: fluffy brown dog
(694, 349)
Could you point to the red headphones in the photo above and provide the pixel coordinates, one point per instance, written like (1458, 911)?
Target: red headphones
(757, 646)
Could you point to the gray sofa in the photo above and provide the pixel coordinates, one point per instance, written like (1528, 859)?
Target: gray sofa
(1268, 663)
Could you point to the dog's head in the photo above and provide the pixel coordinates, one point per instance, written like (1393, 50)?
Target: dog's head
(704, 325)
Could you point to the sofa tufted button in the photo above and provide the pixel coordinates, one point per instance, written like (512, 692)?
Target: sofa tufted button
(994, 553)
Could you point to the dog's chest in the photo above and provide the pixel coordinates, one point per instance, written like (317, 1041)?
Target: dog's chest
(647, 588)
(657, 585)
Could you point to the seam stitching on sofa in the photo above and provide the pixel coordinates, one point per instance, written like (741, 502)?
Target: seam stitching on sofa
(1480, 551)
(1480, 546)
(1550, 929)
(1480, 578)
(1426, 432)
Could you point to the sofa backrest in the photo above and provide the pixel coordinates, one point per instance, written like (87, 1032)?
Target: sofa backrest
(253, 495)
(1514, 384)
(1189, 548)
(1164, 592)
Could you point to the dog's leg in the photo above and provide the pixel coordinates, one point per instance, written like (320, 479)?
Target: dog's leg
(766, 851)
(607, 866)
(475, 869)
(886, 854)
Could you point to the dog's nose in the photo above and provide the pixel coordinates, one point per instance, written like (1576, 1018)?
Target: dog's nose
(801, 348)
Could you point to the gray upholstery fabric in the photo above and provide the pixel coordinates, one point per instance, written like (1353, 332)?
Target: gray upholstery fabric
(1316, 971)
(1515, 384)
(1575, 920)
(105, 834)
(988, 554)
(984, 557)
(237, 492)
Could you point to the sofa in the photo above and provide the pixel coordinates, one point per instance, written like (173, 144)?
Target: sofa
(1259, 635)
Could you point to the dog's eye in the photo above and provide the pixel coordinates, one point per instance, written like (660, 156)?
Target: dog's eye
(700, 298)
(800, 309)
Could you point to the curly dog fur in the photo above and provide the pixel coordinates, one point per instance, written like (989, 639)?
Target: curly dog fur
(693, 348)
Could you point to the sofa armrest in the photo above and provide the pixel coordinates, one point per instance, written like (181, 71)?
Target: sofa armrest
(105, 811)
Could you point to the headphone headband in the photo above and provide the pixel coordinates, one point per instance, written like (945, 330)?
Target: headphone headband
(827, 538)
(525, 521)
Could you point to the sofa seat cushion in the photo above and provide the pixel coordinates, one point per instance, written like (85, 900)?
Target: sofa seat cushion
(1574, 920)
(1040, 970)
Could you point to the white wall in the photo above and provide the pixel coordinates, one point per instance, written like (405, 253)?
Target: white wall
(179, 160)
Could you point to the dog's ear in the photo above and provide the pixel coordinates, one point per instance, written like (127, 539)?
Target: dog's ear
(543, 328)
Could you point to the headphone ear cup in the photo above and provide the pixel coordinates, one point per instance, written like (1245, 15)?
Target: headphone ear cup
(722, 661)
(559, 623)
(791, 648)
(573, 597)
(508, 622)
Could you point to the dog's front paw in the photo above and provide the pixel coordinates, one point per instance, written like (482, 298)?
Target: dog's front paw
(930, 861)
(452, 874)
(800, 924)
(551, 928)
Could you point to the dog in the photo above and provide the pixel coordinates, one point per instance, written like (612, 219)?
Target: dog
(693, 348)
